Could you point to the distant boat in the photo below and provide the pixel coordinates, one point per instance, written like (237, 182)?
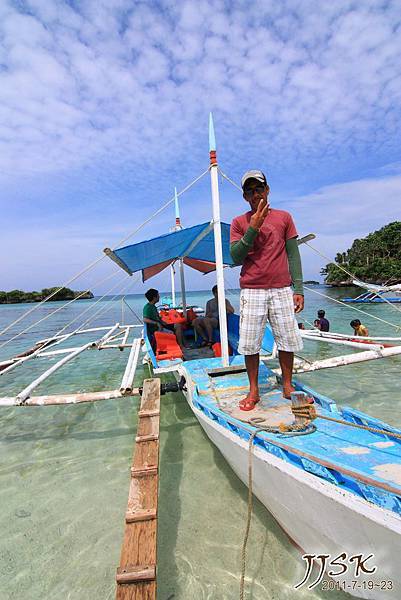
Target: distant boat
(375, 294)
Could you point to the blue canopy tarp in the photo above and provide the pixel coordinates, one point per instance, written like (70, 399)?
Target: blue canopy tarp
(194, 244)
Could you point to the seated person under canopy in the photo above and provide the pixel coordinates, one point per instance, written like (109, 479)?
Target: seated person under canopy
(154, 323)
(204, 325)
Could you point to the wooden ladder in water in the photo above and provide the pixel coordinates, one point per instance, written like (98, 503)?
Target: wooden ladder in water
(136, 575)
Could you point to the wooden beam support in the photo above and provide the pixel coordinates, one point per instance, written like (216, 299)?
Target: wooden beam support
(136, 575)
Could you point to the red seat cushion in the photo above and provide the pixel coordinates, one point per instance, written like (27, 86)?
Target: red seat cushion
(167, 346)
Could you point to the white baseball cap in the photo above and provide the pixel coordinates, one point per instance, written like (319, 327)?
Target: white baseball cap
(255, 174)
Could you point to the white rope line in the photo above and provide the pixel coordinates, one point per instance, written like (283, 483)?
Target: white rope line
(397, 327)
(334, 300)
(17, 335)
(95, 262)
(185, 189)
(229, 180)
(351, 275)
(308, 322)
(105, 308)
(31, 310)
(91, 306)
(132, 310)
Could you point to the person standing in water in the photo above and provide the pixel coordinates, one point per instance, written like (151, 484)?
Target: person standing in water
(358, 328)
(324, 324)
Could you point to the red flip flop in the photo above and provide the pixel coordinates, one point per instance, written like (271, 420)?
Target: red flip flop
(248, 403)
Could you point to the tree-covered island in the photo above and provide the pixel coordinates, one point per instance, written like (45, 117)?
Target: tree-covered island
(375, 258)
(17, 296)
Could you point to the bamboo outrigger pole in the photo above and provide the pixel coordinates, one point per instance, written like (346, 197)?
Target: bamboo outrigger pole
(217, 243)
(130, 369)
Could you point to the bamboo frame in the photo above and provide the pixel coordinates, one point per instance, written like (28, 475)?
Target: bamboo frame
(88, 330)
(340, 361)
(26, 392)
(328, 334)
(107, 335)
(120, 346)
(71, 353)
(341, 342)
(124, 340)
(60, 399)
(130, 369)
(16, 361)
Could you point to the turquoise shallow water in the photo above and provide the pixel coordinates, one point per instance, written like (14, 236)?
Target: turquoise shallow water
(64, 475)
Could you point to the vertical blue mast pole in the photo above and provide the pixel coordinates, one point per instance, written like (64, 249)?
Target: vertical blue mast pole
(217, 243)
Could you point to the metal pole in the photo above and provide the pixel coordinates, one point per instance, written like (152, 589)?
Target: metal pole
(172, 273)
(183, 295)
(217, 244)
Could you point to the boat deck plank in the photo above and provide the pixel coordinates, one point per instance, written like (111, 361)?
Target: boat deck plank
(139, 549)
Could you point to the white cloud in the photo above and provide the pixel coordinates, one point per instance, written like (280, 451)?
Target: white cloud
(309, 74)
(340, 213)
(106, 103)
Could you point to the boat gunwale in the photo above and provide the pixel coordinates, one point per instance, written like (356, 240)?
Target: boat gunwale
(380, 514)
(364, 482)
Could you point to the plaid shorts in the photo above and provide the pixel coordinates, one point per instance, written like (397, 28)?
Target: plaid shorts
(275, 305)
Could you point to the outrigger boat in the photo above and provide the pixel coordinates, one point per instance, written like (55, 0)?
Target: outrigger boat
(330, 475)
(375, 294)
(333, 485)
(376, 342)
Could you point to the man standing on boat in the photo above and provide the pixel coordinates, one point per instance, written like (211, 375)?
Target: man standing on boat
(263, 241)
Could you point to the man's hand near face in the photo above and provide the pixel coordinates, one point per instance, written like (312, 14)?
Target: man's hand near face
(259, 216)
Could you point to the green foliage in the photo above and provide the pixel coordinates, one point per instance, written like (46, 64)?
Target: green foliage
(374, 259)
(17, 296)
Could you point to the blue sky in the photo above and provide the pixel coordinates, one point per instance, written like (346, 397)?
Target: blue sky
(104, 109)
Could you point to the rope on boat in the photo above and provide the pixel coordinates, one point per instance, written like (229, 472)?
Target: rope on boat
(56, 310)
(308, 412)
(302, 428)
(98, 260)
(155, 214)
(249, 516)
(229, 180)
(357, 426)
(67, 283)
(132, 310)
(92, 306)
(103, 309)
(298, 429)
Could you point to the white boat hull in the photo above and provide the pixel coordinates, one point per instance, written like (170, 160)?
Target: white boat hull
(316, 515)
